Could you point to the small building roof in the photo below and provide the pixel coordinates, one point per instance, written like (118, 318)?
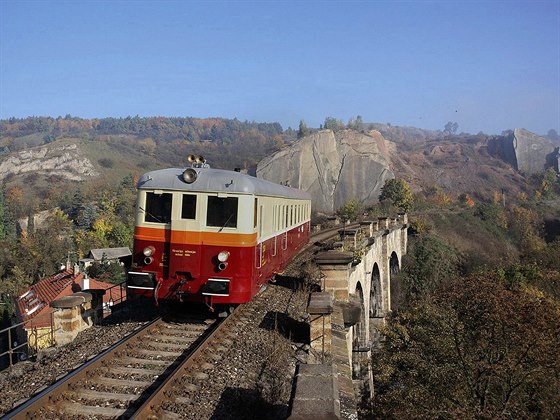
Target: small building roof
(110, 253)
(34, 302)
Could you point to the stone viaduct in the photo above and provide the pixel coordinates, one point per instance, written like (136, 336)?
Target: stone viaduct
(345, 316)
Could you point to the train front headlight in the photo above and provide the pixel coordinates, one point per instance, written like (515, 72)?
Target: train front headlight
(222, 258)
(149, 251)
(148, 254)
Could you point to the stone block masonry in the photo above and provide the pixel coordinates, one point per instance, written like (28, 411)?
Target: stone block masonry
(74, 313)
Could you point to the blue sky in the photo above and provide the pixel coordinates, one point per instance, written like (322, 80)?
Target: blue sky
(488, 65)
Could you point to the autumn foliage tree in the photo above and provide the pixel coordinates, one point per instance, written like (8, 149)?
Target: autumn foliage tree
(475, 350)
(398, 191)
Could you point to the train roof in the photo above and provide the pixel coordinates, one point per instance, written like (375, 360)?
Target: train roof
(217, 180)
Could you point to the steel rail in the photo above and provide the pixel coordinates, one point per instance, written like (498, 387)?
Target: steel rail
(55, 392)
(148, 409)
(43, 397)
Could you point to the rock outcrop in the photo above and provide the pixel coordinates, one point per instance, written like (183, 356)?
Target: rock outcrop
(530, 153)
(64, 161)
(333, 167)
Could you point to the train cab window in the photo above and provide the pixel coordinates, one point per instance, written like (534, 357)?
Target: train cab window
(222, 212)
(158, 208)
(188, 211)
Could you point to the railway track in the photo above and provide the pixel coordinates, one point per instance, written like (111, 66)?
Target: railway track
(150, 374)
(116, 382)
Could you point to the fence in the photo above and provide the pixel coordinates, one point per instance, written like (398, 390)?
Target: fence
(25, 339)
(116, 294)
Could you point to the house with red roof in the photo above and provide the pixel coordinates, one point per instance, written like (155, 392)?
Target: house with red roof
(33, 305)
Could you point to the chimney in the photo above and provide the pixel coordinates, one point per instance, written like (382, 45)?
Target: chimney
(76, 269)
(85, 282)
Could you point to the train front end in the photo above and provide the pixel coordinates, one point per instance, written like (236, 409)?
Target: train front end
(190, 243)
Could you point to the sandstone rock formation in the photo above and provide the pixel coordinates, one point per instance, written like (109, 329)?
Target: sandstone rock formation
(333, 167)
(530, 153)
(64, 161)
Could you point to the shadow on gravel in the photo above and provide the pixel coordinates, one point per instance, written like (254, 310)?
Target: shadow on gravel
(142, 309)
(241, 403)
(293, 330)
(296, 283)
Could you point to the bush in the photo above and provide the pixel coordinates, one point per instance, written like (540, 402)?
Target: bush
(106, 162)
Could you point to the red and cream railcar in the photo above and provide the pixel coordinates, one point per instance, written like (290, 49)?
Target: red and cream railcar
(213, 236)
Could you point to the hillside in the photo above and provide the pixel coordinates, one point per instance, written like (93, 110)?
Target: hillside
(45, 157)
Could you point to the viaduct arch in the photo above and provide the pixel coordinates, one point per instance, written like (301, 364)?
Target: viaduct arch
(363, 288)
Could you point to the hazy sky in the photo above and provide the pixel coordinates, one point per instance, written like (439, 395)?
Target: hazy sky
(488, 65)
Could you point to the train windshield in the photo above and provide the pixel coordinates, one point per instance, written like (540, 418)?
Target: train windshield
(188, 211)
(222, 212)
(158, 208)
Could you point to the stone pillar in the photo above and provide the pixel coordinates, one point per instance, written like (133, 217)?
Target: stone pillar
(72, 314)
(320, 308)
(368, 227)
(383, 223)
(385, 276)
(335, 266)
(96, 304)
(316, 393)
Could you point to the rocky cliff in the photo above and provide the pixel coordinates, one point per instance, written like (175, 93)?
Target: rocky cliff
(530, 153)
(333, 167)
(64, 161)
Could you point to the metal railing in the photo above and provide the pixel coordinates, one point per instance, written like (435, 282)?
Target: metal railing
(24, 339)
(117, 295)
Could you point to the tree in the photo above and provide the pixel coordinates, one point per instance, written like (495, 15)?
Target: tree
(7, 225)
(429, 263)
(553, 134)
(398, 191)
(333, 124)
(476, 350)
(451, 127)
(303, 129)
(349, 211)
(356, 124)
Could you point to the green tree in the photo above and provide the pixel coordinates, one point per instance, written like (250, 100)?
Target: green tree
(7, 224)
(303, 130)
(451, 127)
(398, 191)
(429, 263)
(356, 124)
(333, 124)
(104, 270)
(350, 210)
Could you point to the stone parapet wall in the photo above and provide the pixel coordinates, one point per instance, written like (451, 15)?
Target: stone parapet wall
(75, 313)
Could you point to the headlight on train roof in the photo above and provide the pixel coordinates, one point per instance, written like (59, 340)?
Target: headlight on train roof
(149, 251)
(223, 256)
(189, 175)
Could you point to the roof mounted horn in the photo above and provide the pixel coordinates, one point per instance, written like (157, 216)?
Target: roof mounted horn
(197, 161)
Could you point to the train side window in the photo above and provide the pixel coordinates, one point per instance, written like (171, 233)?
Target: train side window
(222, 212)
(158, 208)
(188, 211)
(255, 212)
